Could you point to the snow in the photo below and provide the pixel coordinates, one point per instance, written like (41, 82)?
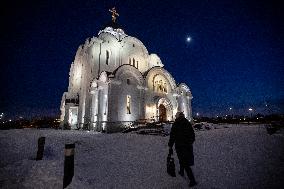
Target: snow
(228, 157)
(118, 33)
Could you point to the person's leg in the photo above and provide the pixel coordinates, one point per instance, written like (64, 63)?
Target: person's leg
(190, 176)
(181, 162)
(181, 169)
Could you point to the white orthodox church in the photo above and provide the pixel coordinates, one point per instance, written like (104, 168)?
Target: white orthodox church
(115, 82)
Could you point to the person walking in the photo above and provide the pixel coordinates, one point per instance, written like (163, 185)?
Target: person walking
(183, 136)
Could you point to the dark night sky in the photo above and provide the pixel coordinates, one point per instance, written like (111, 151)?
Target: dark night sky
(235, 58)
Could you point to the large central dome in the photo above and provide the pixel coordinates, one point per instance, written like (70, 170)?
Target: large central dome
(118, 48)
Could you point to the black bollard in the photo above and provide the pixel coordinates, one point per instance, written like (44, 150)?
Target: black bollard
(40, 148)
(68, 164)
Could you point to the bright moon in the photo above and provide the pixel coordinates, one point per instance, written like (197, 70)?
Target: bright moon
(188, 39)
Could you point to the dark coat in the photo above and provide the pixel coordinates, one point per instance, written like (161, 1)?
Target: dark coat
(183, 136)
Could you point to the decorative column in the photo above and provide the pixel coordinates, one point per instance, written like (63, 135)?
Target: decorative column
(94, 109)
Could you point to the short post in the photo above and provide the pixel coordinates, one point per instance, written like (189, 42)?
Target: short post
(68, 164)
(40, 148)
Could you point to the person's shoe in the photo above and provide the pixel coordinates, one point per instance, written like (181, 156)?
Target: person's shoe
(192, 183)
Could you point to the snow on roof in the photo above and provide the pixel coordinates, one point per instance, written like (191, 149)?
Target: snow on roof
(116, 32)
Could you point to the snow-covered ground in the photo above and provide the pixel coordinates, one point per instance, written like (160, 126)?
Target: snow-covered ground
(233, 157)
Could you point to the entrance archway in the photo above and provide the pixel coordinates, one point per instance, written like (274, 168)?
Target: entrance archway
(162, 113)
(164, 109)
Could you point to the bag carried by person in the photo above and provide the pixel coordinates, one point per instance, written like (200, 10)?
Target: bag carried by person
(171, 165)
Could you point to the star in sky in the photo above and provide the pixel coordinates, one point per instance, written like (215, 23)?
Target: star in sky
(188, 39)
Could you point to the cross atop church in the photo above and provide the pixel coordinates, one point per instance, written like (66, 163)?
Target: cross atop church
(114, 14)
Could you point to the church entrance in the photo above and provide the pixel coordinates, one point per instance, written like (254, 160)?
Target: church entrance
(164, 109)
(162, 113)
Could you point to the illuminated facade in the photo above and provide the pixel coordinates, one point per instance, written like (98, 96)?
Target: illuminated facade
(114, 81)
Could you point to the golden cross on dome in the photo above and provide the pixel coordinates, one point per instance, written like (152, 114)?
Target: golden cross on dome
(114, 14)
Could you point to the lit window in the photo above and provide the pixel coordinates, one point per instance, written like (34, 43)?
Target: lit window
(165, 88)
(107, 57)
(160, 85)
(128, 104)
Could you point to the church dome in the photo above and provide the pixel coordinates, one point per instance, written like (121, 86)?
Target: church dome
(119, 48)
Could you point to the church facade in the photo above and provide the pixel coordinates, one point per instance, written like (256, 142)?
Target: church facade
(114, 82)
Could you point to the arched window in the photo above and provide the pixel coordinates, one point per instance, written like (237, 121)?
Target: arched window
(160, 85)
(128, 104)
(107, 57)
